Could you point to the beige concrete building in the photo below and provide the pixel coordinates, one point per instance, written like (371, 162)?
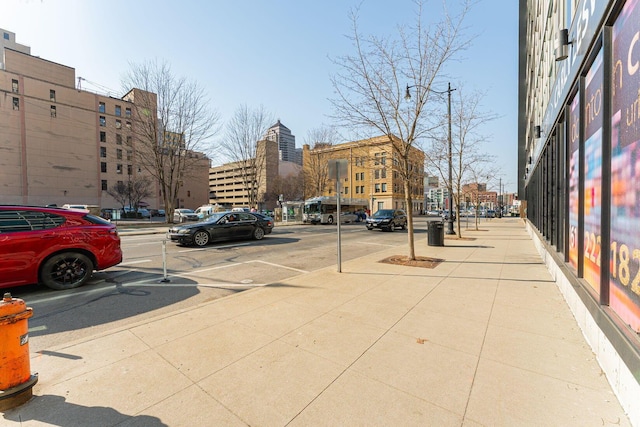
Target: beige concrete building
(371, 173)
(63, 145)
(246, 183)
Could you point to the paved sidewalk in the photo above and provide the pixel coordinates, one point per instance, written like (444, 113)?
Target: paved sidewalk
(483, 339)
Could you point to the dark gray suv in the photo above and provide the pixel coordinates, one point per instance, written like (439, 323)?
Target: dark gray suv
(388, 220)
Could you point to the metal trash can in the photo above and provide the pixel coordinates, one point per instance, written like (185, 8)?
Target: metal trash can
(435, 234)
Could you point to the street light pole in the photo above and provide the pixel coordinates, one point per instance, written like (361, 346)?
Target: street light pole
(450, 217)
(450, 183)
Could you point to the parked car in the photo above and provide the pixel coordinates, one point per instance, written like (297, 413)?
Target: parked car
(59, 248)
(388, 220)
(346, 217)
(222, 226)
(445, 215)
(184, 215)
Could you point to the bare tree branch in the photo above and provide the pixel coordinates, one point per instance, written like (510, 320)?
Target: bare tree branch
(370, 88)
(172, 126)
(243, 131)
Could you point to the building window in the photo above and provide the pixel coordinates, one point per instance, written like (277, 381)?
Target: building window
(129, 155)
(362, 189)
(383, 172)
(128, 125)
(127, 112)
(6, 36)
(101, 107)
(346, 190)
(377, 188)
(118, 139)
(103, 121)
(53, 111)
(119, 154)
(376, 174)
(384, 187)
(52, 95)
(119, 168)
(103, 136)
(16, 103)
(118, 111)
(129, 141)
(376, 159)
(103, 166)
(129, 170)
(118, 124)
(103, 152)
(357, 190)
(104, 185)
(14, 86)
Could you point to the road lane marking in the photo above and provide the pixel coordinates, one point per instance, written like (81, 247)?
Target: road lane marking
(217, 247)
(141, 261)
(278, 265)
(192, 273)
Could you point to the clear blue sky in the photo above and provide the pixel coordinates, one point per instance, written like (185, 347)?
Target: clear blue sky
(258, 52)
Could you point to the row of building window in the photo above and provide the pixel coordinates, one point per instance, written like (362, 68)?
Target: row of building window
(103, 138)
(15, 88)
(16, 107)
(380, 158)
(103, 153)
(102, 108)
(103, 123)
(119, 168)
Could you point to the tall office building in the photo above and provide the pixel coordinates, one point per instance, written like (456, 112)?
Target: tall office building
(578, 151)
(286, 143)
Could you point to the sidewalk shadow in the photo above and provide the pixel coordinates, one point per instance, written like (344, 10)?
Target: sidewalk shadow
(54, 410)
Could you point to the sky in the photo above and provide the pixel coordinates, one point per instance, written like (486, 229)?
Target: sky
(276, 54)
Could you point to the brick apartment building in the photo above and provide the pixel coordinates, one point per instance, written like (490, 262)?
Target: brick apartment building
(371, 173)
(60, 144)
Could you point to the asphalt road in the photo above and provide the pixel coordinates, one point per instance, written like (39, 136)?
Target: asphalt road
(158, 277)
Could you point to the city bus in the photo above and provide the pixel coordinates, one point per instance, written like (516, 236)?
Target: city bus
(324, 209)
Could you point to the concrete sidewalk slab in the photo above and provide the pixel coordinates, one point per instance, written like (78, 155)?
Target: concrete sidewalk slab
(485, 338)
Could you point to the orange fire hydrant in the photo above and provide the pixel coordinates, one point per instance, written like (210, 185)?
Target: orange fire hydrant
(16, 380)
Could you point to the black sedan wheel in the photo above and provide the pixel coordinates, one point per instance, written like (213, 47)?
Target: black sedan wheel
(201, 238)
(66, 271)
(258, 233)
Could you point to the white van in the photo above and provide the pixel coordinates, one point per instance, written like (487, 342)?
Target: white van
(205, 211)
(92, 209)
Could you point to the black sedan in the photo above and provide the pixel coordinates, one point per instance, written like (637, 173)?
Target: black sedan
(387, 219)
(222, 226)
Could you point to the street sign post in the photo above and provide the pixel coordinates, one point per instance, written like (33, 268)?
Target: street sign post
(337, 169)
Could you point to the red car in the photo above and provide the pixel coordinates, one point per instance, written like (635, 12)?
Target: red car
(59, 248)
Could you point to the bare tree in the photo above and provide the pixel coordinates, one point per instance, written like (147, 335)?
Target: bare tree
(120, 192)
(372, 84)
(172, 126)
(316, 166)
(467, 158)
(290, 187)
(243, 131)
(132, 192)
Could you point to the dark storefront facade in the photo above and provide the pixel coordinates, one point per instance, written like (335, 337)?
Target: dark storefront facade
(579, 166)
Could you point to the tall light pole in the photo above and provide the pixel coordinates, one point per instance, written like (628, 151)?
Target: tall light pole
(450, 183)
(450, 217)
